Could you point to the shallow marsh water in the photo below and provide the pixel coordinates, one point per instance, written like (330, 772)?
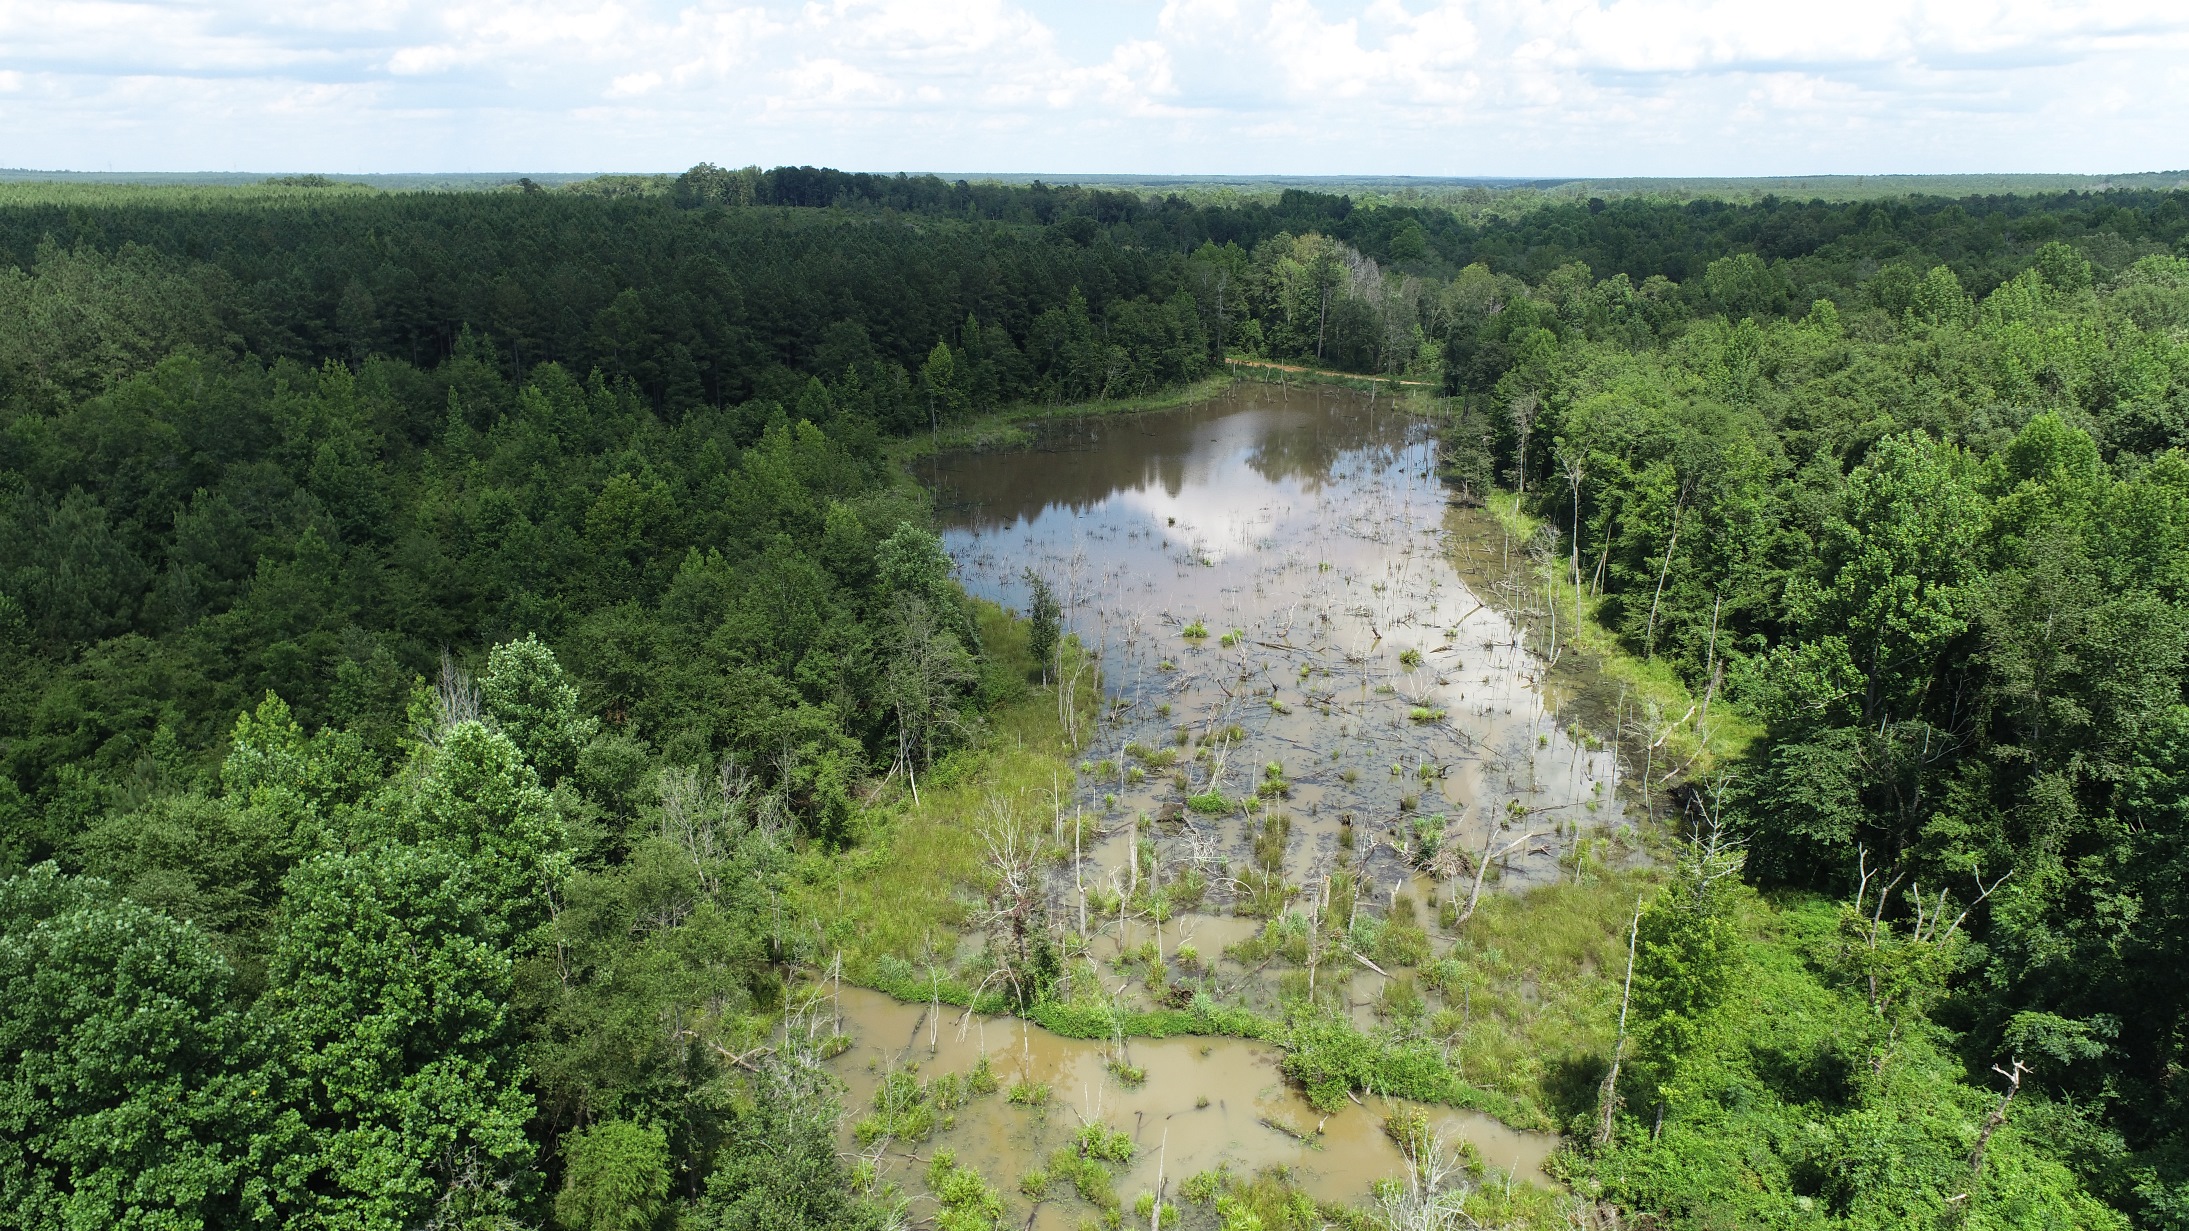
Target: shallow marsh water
(1205, 1103)
(1350, 680)
(1345, 659)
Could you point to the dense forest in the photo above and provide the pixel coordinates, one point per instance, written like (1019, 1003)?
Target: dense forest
(437, 625)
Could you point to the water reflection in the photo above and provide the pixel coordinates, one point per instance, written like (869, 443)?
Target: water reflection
(1303, 530)
(1353, 708)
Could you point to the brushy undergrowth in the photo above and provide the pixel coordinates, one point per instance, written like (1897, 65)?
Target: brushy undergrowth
(901, 892)
(1784, 1115)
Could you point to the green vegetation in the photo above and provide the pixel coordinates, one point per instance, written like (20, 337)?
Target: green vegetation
(469, 657)
(1891, 580)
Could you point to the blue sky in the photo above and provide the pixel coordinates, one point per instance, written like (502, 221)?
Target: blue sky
(1338, 87)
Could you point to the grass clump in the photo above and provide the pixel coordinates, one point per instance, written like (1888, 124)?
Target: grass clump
(1087, 1176)
(1100, 1142)
(1400, 939)
(1126, 1073)
(967, 1202)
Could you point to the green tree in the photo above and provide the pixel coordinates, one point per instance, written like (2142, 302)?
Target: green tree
(1891, 590)
(1686, 954)
(533, 701)
(128, 1096)
(1742, 285)
(778, 1169)
(387, 1010)
(1044, 616)
(615, 1177)
(476, 799)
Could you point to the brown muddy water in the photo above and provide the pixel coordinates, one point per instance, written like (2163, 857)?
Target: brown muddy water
(1206, 1103)
(1350, 682)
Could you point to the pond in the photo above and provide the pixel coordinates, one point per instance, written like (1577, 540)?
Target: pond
(1299, 691)
(1349, 678)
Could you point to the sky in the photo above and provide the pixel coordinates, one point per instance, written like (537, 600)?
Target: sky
(1299, 87)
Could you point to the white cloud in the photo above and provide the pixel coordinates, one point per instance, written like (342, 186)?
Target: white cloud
(1339, 86)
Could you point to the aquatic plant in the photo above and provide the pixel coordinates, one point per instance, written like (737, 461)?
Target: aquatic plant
(1195, 631)
(1428, 838)
(968, 1202)
(1127, 1074)
(1099, 1141)
(1202, 1186)
(1089, 1178)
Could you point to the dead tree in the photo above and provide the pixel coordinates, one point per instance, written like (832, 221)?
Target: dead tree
(1607, 1098)
(1998, 1114)
(1482, 867)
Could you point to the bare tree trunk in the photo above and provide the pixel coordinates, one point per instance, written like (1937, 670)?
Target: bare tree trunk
(1155, 1216)
(1607, 1099)
(1710, 668)
(1998, 1114)
(1482, 867)
(1649, 641)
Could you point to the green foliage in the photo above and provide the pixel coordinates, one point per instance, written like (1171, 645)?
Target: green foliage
(615, 1177)
(1090, 1180)
(1328, 1056)
(965, 1201)
(387, 1004)
(533, 701)
(1044, 617)
(1100, 1142)
(777, 1168)
(1685, 959)
(131, 1097)
(1781, 1119)
(478, 800)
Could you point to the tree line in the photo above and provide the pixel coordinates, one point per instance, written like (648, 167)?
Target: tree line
(434, 624)
(1931, 540)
